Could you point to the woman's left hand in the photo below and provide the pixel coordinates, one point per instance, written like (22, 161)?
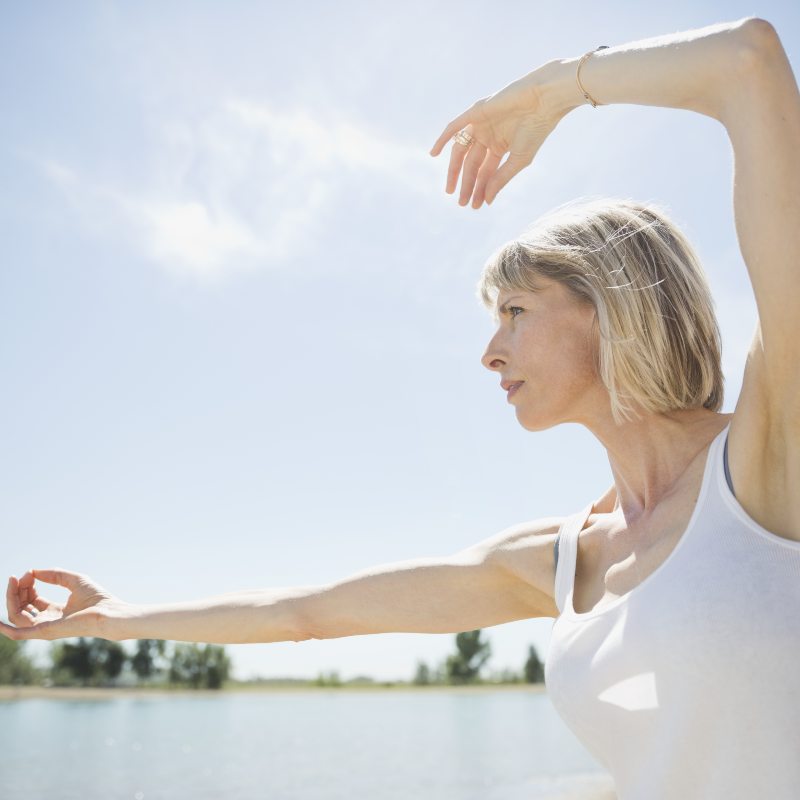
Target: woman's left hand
(516, 120)
(90, 609)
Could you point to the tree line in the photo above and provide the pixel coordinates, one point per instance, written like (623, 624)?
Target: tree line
(100, 662)
(155, 662)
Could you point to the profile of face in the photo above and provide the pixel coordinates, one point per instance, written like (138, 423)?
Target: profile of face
(544, 351)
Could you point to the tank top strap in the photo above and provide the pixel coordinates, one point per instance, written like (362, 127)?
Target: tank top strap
(568, 554)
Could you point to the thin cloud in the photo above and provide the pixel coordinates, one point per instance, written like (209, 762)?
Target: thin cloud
(239, 189)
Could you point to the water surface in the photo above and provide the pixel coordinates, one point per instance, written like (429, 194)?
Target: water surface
(388, 744)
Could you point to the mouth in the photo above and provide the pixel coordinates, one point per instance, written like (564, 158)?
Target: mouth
(511, 387)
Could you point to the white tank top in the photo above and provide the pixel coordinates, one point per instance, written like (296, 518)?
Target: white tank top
(688, 686)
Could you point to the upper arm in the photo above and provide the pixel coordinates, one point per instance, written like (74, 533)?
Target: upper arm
(525, 552)
(762, 118)
(505, 578)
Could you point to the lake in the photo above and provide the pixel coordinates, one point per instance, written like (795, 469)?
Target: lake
(297, 744)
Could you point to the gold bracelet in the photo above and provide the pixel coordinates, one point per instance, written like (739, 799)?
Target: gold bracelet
(578, 73)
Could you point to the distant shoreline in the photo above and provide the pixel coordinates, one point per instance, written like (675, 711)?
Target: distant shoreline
(98, 693)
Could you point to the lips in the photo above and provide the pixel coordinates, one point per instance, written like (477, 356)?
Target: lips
(511, 387)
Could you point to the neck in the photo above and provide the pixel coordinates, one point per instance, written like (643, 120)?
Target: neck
(648, 457)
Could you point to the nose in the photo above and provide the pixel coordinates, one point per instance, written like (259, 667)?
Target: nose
(493, 358)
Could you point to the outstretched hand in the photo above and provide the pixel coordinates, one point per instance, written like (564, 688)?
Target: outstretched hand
(36, 617)
(516, 120)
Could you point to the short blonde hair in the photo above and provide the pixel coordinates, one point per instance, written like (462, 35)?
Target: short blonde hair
(659, 341)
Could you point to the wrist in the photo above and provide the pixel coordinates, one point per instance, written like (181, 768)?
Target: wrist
(558, 89)
(119, 622)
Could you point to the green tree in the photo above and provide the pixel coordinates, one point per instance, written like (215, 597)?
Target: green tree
(422, 677)
(72, 662)
(89, 662)
(216, 666)
(143, 661)
(199, 667)
(108, 659)
(16, 667)
(331, 679)
(534, 669)
(465, 665)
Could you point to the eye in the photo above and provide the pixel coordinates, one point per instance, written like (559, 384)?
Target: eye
(513, 309)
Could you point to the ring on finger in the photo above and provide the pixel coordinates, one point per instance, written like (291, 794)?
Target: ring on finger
(464, 138)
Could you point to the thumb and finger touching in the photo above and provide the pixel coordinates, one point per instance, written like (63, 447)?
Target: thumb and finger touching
(36, 617)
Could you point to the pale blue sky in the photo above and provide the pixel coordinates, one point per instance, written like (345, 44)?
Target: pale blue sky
(239, 340)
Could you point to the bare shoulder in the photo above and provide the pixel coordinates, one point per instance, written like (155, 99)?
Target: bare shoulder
(525, 551)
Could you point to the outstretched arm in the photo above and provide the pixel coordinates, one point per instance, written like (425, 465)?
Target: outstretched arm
(504, 578)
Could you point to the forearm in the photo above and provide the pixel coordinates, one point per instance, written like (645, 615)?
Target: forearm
(267, 615)
(694, 70)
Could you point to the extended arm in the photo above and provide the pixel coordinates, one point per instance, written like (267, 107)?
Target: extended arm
(475, 588)
(501, 579)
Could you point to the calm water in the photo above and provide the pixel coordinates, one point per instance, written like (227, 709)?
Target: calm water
(303, 745)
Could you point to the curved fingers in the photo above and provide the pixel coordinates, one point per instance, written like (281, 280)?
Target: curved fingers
(16, 602)
(488, 168)
(42, 603)
(58, 577)
(457, 156)
(475, 157)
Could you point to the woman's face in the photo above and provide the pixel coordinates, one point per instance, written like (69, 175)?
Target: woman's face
(544, 349)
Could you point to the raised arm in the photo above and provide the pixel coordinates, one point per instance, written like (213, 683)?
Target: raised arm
(504, 578)
(739, 74)
(698, 70)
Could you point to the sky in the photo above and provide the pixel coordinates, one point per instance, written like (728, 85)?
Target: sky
(239, 337)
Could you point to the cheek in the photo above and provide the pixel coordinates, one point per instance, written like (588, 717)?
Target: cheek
(566, 365)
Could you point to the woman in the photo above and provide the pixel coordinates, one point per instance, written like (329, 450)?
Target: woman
(674, 652)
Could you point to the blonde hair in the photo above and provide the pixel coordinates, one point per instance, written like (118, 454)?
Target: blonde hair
(659, 341)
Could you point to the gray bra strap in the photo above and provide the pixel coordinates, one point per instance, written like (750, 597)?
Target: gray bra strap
(727, 470)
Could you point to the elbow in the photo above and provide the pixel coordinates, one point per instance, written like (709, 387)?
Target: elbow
(758, 44)
(759, 32)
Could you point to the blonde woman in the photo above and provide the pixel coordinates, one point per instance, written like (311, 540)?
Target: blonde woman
(675, 649)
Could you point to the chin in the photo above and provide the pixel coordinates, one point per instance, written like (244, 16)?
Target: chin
(534, 422)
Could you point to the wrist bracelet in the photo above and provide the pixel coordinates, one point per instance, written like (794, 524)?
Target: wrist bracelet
(578, 73)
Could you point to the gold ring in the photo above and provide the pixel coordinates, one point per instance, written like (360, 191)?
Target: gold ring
(462, 137)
